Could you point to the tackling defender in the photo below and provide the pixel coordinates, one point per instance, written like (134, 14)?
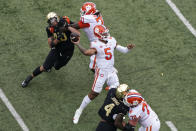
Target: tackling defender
(113, 111)
(103, 49)
(59, 41)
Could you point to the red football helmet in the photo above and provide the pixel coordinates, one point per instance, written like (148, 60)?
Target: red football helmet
(133, 98)
(88, 8)
(101, 32)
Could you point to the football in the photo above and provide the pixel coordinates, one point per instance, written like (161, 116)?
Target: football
(74, 37)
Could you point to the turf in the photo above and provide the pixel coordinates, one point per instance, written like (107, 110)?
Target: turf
(163, 45)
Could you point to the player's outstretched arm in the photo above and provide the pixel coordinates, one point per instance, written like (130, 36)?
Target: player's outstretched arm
(87, 52)
(75, 25)
(123, 49)
(73, 30)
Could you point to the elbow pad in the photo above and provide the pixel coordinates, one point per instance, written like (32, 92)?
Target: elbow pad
(122, 49)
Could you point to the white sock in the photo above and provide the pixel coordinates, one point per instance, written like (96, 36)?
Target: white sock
(85, 102)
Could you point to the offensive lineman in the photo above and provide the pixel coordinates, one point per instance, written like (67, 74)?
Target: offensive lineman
(103, 48)
(139, 109)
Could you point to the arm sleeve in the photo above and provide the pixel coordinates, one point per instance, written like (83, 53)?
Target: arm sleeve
(83, 25)
(122, 49)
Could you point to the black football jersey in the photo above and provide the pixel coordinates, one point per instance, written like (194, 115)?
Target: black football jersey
(112, 106)
(65, 41)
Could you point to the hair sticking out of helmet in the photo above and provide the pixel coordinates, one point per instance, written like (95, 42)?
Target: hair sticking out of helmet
(121, 91)
(133, 98)
(88, 8)
(51, 17)
(101, 32)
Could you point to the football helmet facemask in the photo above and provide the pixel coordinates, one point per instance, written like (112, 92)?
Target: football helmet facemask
(51, 17)
(101, 32)
(121, 91)
(88, 8)
(132, 98)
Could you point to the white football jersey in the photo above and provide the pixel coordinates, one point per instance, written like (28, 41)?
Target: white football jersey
(146, 114)
(92, 20)
(105, 53)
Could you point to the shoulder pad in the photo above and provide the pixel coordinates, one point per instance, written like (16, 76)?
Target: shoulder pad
(67, 19)
(112, 40)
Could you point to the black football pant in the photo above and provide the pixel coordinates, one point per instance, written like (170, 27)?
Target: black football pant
(104, 126)
(57, 59)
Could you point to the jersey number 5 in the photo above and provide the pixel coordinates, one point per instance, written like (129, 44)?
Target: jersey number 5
(108, 53)
(108, 108)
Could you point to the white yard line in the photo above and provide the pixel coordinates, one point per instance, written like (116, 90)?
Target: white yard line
(13, 111)
(171, 126)
(182, 18)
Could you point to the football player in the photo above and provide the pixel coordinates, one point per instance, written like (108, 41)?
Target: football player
(113, 110)
(103, 49)
(59, 41)
(90, 17)
(148, 119)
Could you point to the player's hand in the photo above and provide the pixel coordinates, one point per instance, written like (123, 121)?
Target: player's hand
(134, 121)
(130, 46)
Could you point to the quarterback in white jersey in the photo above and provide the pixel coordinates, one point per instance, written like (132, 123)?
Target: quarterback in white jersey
(90, 17)
(103, 48)
(147, 118)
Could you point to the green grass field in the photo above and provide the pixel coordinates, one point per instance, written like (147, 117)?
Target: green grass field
(163, 45)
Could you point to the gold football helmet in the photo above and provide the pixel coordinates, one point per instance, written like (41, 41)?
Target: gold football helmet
(121, 91)
(51, 16)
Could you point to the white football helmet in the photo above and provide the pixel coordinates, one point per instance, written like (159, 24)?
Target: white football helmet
(88, 8)
(132, 98)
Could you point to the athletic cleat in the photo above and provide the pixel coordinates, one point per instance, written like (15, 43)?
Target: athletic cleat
(26, 81)
(77, 116)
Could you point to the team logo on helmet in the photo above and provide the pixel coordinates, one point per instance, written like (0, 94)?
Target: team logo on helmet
(88, 8)
(101, 32)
